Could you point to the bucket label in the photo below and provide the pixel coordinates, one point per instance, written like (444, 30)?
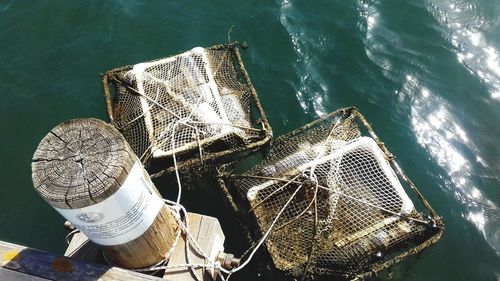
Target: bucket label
(123, 216)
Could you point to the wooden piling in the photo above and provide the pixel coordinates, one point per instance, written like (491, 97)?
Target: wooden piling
(86, 170)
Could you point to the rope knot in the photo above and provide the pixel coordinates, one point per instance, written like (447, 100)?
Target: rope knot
(309, 180)
(184, 121)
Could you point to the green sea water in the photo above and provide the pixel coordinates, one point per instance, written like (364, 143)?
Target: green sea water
(426, 73)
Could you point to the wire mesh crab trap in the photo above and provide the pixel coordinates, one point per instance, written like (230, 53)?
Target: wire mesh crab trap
(187, 109)
(333, 201)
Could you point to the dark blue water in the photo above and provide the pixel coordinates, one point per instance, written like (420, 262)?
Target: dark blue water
(425, 73)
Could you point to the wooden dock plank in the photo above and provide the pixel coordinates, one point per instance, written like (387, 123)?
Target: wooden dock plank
(208, 233)
(41, 264)
(11, 275)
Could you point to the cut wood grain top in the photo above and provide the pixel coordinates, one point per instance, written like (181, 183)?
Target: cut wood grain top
(81, 162)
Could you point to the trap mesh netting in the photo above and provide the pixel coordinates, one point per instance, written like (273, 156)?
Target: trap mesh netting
(332, 202)
(195, 106)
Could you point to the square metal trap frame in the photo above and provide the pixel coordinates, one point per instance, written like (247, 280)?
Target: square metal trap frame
(187, 111)
(333, 200)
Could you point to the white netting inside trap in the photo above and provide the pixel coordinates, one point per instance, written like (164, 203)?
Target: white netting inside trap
(193, 102)
(351, 182)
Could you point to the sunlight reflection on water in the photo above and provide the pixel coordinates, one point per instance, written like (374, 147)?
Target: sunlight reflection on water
(439, 133)
(465, 26)
(312, 88)
(435, 127)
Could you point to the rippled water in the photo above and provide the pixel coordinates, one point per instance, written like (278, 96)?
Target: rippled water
(425, 73)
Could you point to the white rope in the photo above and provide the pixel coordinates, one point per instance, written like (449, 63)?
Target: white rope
(182, 121)
(177, 236)
(158, 266)
(172, 144)
(73, 232)
(398, 214)
(140, 115)
(261, 241)
(177, 209)
(227, 124)
(313, 201)
(187, 121)
(186, 229)
(274, 192)
(322, 152)
(210, 264)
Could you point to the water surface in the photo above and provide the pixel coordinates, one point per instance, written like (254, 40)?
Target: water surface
(425, 73)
